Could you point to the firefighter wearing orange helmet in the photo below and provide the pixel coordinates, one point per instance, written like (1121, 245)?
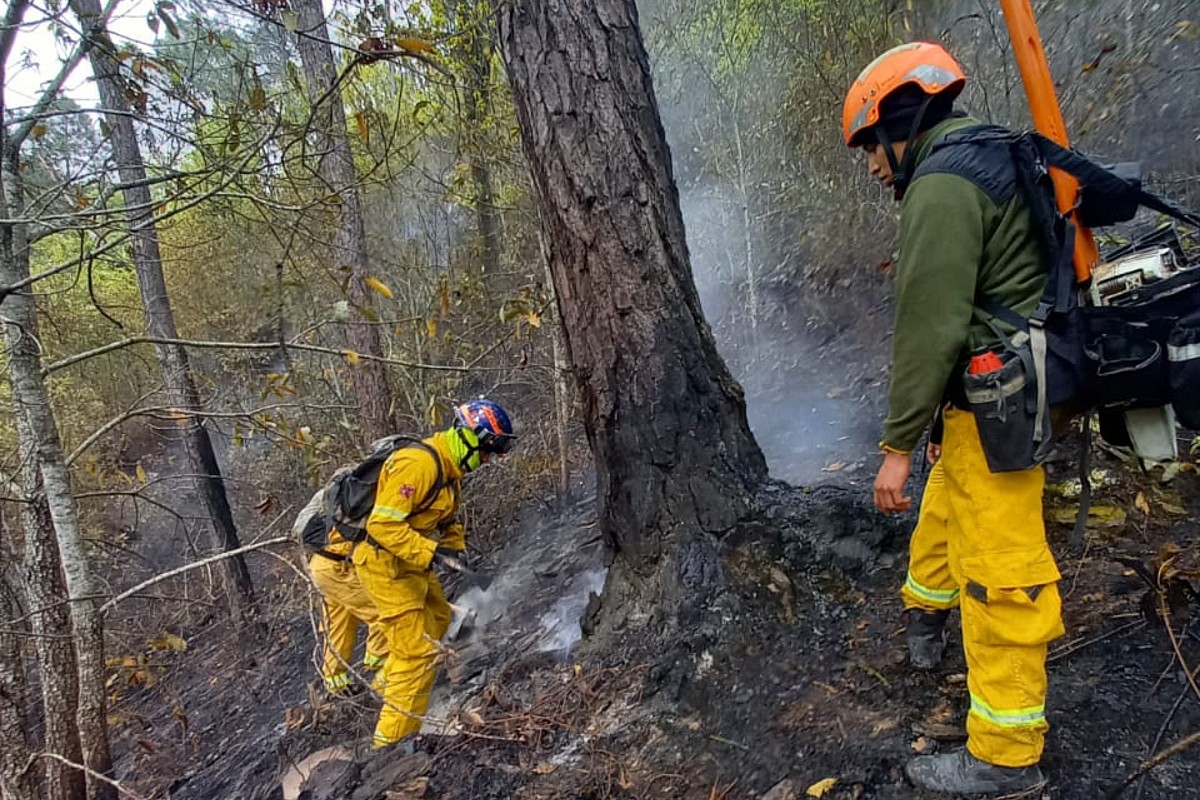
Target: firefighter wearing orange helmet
(980, 542)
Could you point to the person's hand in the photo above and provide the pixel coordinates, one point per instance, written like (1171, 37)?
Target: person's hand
(451, 536)
(453, 560)
(889, 483)
(933, 452)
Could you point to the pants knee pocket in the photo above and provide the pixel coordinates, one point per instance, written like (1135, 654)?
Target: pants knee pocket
(1011, 599)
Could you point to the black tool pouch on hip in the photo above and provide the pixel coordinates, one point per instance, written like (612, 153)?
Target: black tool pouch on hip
(1004, 403)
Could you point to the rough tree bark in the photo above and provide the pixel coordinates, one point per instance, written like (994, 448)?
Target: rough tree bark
(16, 780)
(336, 168)
(51, 617)
(676, 462)
(160, 320)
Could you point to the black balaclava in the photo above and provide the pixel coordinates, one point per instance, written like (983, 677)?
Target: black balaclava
(902, 117)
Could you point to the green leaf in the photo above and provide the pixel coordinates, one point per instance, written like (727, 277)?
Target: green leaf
(291, 20)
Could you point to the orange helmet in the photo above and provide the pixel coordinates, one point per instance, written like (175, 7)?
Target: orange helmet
(922, 64)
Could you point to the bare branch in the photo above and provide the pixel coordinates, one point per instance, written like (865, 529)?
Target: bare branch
(310, 348)
(204, 562)
(175, 412)
(91, 773)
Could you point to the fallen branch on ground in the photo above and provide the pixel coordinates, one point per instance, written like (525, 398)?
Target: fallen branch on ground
(1151, 763)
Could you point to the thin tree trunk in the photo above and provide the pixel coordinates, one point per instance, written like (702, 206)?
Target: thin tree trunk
(50, 623)
(16, 781)
(676, 463)
(476, 50)
(48, 484)
(160, 320)
(336, 168)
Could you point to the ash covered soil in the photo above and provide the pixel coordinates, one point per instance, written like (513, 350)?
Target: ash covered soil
(801, 679)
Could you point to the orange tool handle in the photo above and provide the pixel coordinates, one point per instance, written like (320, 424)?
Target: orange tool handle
(1048, 119)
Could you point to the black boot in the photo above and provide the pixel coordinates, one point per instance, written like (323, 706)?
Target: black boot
(960, 773)
(926, 636)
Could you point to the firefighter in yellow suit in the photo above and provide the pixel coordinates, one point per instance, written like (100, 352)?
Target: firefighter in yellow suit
(344, 604)
(410, 529)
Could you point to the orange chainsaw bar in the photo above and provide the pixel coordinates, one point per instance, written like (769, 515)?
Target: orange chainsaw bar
(1048, 119)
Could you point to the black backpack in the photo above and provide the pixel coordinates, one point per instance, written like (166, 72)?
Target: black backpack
(347, 500)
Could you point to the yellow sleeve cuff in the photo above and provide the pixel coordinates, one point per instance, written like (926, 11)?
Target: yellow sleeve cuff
(887, 448)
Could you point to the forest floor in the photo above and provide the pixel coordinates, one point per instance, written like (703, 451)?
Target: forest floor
(806, 685)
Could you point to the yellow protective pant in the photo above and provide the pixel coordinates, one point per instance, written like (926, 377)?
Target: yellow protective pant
(345, 605)
(985, 531)
(414, 616)
(929, 585)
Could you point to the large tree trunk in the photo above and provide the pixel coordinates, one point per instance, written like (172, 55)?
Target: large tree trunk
(676, 462)
(16, 780)
(336, 168)
(160, 321)
(51, 512)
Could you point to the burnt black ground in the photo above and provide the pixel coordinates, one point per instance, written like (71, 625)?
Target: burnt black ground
(803, 681)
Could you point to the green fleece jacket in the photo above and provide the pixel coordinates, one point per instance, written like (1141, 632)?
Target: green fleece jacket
(956, 245)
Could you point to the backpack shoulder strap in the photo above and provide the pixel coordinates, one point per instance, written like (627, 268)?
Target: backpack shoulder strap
(404, 441)
(979, 154)
(439, 482)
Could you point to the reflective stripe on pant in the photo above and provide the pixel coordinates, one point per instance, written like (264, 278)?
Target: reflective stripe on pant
(346, 603)
(1009, 597)
(929, 585)
(414, 616)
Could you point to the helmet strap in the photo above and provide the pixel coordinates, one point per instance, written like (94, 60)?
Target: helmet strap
(902, 172)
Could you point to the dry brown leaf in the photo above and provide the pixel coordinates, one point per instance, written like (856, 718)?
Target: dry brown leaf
(169, 641)
(624, 781)
(294, 717)
(1142, 504)
(413, 790)
(882, 726)
(544, 768)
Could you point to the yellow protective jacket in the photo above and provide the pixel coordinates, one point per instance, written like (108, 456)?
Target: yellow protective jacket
(405, 483)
